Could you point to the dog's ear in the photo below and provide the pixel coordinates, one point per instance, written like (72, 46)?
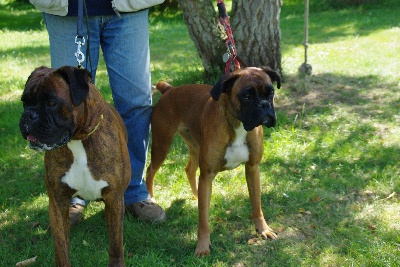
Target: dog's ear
(78, 81)
(223, 85)
(275, 77)
(216, 91)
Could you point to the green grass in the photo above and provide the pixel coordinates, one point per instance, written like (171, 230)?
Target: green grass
(330, 174)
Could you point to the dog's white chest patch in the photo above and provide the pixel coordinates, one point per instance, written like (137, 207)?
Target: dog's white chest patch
(79, 176)
(237, 152)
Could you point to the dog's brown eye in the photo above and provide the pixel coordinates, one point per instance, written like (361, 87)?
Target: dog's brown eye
(249, 94)
(51, 104)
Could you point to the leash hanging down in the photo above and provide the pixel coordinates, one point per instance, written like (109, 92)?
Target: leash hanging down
(230, 55)
(80, 40)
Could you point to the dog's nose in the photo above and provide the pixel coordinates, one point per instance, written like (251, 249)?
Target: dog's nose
(269, 122)
(31, 115)
(264, 104)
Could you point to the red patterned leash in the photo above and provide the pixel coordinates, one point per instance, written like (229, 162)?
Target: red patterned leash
(231, 53)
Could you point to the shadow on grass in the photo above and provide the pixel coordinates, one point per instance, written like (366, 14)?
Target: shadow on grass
(23, 51)
(368, 96)
(318, 202)
(317, 199)
(314, 200)
(20, 17)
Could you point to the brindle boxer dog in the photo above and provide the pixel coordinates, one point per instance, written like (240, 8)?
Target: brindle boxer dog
(86, 155)
(221, 127)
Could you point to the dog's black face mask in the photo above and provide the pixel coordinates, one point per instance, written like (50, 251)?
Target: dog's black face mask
(256, 100)
(42, 125)
(257, 109)
(44, 122)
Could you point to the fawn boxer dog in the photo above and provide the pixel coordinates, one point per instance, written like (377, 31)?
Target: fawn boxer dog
(221, 127)
(86, 154)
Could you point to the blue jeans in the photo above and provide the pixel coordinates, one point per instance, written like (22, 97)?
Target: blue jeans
(125, 45)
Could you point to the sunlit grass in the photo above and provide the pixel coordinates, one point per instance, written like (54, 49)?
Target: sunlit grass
(330, 171)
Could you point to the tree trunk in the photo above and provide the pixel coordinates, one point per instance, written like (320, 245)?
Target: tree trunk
(202, 22)
(255, 27)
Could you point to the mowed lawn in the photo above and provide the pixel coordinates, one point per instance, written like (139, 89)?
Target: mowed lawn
(330, 172)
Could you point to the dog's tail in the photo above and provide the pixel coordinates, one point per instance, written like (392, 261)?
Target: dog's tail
(163, 86)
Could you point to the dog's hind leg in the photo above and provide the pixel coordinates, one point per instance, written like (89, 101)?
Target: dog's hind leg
(191, 169)
(161, 142)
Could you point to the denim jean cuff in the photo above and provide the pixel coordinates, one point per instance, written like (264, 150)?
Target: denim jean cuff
(79, 201)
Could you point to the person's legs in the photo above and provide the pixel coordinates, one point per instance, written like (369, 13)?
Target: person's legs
(125, 44)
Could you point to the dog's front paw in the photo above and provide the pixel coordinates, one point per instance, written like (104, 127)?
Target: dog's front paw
(203, 248)
(264, 230)
(267, 233)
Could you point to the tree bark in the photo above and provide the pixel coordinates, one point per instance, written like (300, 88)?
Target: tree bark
(202, 22)
(255, 27)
